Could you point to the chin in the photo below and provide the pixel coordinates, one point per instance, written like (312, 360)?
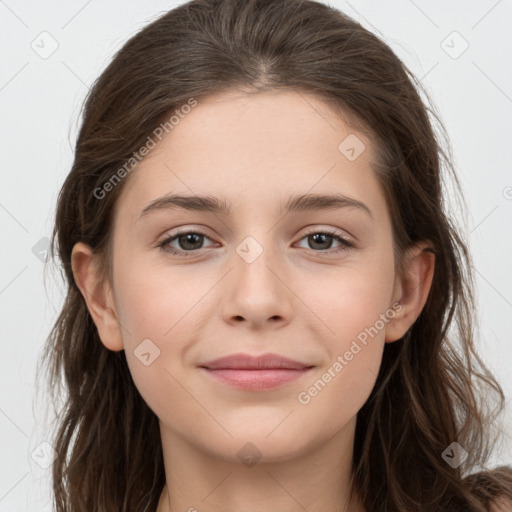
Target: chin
(253, 444)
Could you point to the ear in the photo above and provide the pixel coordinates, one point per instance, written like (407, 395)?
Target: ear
(411, 290)
(98, 296)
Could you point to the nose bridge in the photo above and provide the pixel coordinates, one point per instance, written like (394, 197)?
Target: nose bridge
(256, 259)
(256, 290)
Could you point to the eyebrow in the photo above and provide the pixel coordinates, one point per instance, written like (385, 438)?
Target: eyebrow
(296, 203)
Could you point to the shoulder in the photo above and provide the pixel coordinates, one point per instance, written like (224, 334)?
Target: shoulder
(501, 505)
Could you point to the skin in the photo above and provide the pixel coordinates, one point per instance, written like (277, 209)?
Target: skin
(298, 299)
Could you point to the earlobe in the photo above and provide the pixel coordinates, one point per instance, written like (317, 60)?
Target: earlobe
(412, 290)
(97, 295)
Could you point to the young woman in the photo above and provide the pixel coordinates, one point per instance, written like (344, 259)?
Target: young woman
(268, 307)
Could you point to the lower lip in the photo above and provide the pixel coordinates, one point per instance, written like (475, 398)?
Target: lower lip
(256, 380)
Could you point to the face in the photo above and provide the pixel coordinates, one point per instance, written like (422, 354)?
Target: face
(313, 283)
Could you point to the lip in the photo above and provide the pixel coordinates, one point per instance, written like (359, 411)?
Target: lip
(258, 373)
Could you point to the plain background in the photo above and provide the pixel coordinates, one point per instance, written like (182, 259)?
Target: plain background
(40, 100)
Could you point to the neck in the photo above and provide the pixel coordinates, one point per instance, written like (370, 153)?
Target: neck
(317, 480)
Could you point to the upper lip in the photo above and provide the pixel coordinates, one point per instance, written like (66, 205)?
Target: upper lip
(248, 362)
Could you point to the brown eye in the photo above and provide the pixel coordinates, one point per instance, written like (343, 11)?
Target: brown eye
(188, 242)
(321, 241)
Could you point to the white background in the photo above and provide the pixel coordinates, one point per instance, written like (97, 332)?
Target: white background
(40, 101)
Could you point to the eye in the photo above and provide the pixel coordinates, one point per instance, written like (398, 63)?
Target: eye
(322, 240)
(190, 242)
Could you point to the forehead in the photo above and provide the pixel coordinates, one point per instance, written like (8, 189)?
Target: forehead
(249, 148)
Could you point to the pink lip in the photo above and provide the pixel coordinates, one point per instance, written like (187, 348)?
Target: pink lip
(255, 373)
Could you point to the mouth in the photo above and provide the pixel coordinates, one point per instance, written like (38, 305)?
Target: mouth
(255, 373)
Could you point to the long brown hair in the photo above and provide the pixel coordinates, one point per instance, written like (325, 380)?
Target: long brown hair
(109, 455)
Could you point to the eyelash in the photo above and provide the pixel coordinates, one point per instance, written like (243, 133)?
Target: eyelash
(346, 244)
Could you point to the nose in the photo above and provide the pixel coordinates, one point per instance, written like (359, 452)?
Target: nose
(258, 289)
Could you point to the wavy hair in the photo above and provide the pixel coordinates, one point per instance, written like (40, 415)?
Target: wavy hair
(429, 390)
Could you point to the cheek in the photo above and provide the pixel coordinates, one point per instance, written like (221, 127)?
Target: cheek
(339, 390)
(354, 315)
(353, 308)
(163, 310)
(156, 301)
(157, 332)
(348, 299)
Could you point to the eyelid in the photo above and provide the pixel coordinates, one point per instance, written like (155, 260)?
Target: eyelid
(316, 228)
(330, 230)
(173, 234)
